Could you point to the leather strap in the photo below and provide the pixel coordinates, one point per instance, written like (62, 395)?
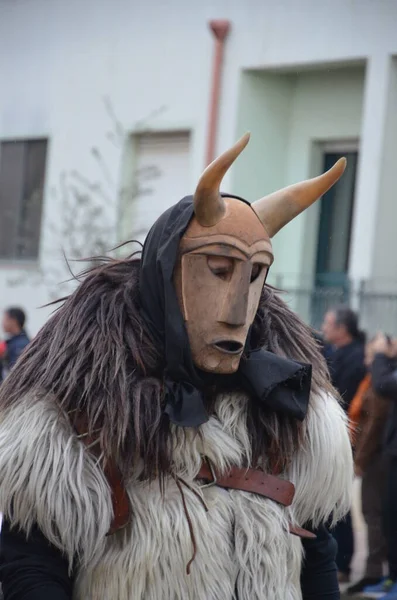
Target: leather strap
(300, 532)
(120, 500)
(247, 480)
(251, 480)
(256, 482)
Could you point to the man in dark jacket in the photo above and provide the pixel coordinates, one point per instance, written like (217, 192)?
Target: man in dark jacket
(345, 354)
(346, 351)
(13, 326)
(384, 380)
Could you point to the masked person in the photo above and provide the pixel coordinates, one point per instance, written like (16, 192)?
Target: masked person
(171, 433)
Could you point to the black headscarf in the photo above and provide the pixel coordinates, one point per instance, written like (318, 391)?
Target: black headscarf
(281, 384)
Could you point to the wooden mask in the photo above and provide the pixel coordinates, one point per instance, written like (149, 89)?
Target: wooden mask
(225, 255)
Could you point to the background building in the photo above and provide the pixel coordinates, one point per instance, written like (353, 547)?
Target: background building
(104, 111)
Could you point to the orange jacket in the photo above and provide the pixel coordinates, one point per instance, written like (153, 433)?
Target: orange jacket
(356, 404)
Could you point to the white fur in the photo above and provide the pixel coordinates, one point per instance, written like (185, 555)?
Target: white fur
(323, 469)
(243, 544)
(47, 477)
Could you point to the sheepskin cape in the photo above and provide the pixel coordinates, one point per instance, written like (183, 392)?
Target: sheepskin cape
(94, 356)
(48, 477)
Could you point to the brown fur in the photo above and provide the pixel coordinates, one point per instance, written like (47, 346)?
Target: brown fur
(95, 357)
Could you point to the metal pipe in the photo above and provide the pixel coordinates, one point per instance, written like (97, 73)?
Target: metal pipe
(220, 28)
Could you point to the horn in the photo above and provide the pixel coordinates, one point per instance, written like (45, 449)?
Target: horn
(209, 206)
(279, 208)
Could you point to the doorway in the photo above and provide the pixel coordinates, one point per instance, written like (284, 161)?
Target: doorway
(331, 281)
(335, 226)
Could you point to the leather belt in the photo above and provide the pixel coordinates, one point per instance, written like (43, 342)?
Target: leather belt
(255, 482)
(246, 480)
(250, 480)
(120, 500)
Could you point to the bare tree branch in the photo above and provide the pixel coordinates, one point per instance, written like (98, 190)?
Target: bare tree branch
(88, 219)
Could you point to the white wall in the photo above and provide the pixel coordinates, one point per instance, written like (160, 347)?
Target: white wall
(384, 261)
(291, 114)
(265, 107)
(162, 176)
(59, 58)
(327, 106)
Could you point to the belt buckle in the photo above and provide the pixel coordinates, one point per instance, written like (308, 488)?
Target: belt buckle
(214, 478)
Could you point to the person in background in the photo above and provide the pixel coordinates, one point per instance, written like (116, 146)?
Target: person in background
(3, 350)
(13, 326)
(345, 358)
(384, 381)
(368, 414)
(345, 351)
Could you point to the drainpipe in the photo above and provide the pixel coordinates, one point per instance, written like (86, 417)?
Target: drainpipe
(220, 28)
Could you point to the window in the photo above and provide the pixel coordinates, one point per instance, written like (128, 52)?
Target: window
(22, 168)
(336, 216)
(162, 177)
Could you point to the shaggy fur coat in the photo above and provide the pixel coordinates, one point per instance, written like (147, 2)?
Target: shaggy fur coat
(50, 478)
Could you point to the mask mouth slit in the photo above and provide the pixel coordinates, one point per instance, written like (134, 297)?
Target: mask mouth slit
(229, 346)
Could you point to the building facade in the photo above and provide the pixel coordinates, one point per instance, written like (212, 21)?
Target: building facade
(104, 110)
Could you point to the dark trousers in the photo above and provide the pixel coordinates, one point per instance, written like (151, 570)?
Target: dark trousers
(343, 534)
(372, 494)
(391, 515)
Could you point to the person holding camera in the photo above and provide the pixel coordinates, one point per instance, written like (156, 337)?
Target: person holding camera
(368, 414)
(384, 381)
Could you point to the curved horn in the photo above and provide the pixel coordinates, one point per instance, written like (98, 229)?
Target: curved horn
(209, 206)
(279, 208)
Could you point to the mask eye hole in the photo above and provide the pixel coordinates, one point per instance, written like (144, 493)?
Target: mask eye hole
(256, 271)
(221, 266)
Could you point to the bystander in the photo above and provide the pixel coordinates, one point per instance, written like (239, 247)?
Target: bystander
(345, 357)
(368, 415)
(13, 326)
(384, 379)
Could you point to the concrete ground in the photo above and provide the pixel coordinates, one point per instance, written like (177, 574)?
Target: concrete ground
(360, 537)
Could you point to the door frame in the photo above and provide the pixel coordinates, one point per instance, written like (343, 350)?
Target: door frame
(338, 146)
(349, 145)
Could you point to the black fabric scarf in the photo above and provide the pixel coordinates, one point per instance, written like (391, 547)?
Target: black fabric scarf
(279, 384)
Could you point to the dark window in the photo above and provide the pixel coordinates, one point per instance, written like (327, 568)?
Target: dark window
(22, 168)
(335, 225)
